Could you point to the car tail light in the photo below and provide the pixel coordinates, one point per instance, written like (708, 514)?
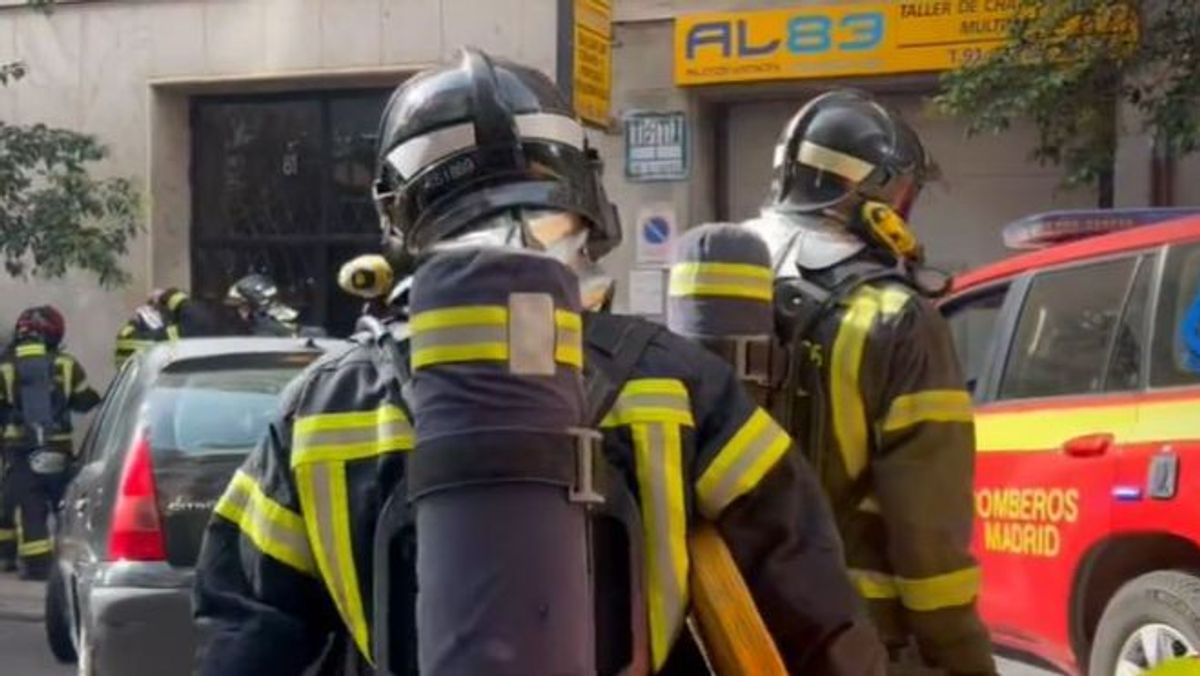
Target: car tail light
(136, 533)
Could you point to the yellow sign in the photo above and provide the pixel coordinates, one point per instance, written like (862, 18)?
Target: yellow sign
(592, 72)
(853, 38)
(1025, 521)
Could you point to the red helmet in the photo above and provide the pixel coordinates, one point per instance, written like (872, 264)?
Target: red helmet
(43, 321)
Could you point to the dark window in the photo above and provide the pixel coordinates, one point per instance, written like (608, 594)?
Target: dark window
(1066, 327)
(221, 411)
(282, 186)
(1129, 340)
(973, 324)
(1176, 357)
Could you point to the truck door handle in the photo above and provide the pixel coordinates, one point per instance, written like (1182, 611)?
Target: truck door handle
(1088, 446)
(81, 506)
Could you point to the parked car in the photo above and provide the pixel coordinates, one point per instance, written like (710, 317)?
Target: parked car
(176, 422)
(1084, 360)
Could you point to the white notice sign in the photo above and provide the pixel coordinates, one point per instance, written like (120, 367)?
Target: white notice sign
(647, 291)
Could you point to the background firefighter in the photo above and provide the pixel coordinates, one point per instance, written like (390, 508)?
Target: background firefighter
(884, 410)
(40, 387)
(681, 426)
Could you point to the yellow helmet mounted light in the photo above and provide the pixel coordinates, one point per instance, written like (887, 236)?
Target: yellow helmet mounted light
(889, 229)
(367, 276)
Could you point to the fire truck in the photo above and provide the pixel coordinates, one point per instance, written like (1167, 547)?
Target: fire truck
(1083, 357)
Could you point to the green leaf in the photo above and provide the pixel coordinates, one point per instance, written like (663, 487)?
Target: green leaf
(1069, 65)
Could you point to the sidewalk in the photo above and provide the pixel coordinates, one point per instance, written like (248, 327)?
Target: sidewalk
(19, 600)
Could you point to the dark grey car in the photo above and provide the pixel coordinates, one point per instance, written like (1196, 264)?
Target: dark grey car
(175, 424)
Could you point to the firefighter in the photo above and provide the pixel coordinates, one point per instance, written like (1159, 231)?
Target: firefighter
(255, 300)
(167, 315)
(40, 387)
(874, 390)
(143, 330)
(287, 558)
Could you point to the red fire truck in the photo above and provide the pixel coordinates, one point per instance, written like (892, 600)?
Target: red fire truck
(1084, 362)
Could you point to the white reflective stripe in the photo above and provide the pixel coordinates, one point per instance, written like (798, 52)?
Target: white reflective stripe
(410, 157)
(413, 155)
(551, 127)
(833, 161)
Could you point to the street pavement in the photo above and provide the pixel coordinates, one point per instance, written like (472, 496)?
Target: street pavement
(23, 650)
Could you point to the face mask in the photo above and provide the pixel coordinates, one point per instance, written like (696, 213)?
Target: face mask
(556, 234)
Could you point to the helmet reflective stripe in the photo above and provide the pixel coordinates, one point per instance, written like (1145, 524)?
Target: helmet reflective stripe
(833, 161)
(413, 155)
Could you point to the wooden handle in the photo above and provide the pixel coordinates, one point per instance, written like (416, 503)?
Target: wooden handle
(735, 638)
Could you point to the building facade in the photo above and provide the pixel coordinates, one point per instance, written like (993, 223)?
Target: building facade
(249, 125)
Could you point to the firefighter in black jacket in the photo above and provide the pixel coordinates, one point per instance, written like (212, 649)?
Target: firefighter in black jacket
(167, 315)
(287, 558)
(40, 387)
(887, 420)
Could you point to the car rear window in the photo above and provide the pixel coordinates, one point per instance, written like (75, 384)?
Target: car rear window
(212, 410)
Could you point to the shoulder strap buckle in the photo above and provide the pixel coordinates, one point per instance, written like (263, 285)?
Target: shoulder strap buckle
(588, 462)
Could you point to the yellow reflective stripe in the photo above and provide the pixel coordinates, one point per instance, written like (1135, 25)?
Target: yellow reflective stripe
(8, 373)
(350, 436)
(176, 300)
(33, 548)
(443, 354)
(31, 350)
(891, 299)
(481, 333)
(325, 505)
(849, 413)
(7, 534)
(12, 432)
(922, 595)
(67, 366)
(940, 591)
(173, 332)
(568, 339)
(651, 400)
(873, 585)
(659, 462)
(568, 321)
(274, 529)
(929, 406)
(737, 280)
(738, 467)
(465, 315)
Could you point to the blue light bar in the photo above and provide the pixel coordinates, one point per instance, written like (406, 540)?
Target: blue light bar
(1055, 227)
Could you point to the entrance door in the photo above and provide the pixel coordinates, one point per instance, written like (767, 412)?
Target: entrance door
(281, 185)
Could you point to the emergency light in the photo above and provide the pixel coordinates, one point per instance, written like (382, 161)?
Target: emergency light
(1056, 227)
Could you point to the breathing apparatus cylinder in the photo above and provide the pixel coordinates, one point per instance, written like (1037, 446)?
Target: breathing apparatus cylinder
(720, 293)
(499, 479)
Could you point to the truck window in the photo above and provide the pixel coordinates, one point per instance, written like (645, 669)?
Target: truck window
(1175, 360)
(1065, 331)
(973, 325)
(1129, 340)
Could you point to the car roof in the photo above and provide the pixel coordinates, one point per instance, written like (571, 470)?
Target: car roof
(165, 354)
(1143, 237)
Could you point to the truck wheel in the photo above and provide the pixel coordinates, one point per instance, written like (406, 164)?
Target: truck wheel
(58, 624)
(1151, 619)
